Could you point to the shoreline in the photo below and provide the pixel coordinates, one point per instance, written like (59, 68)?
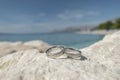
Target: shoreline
(7, 47)
(98, 32)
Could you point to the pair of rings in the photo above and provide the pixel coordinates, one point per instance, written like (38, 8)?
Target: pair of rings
(57, 51)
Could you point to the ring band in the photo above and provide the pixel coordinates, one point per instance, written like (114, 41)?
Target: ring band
(55, 54)
(72, 53)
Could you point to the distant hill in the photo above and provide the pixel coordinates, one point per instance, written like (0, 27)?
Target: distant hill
(108, 25)
(74, 29)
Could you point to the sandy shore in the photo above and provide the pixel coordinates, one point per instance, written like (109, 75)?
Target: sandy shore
(101, 32)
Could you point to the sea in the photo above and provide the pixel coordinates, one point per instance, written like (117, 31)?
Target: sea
(73, 40)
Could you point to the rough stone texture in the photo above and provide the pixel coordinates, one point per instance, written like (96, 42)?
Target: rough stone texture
(11, 47)
(40, 45)
(103, 63)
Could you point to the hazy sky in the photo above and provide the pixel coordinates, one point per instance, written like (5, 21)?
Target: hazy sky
(31, 16)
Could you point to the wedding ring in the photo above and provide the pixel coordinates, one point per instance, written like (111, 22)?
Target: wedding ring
(55, 51)
(72, 53)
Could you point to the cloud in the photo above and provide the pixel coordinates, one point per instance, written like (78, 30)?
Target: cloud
(35, 27)
(42, 22)
(76, 14)
(24, 27)
(22, 23)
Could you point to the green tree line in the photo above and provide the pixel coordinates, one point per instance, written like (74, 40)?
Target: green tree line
(110, 25)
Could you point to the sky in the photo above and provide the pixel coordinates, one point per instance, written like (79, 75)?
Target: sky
(40, 16)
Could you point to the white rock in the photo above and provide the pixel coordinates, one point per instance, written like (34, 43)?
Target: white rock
(103, 63)
(10, 47)
(42, 46)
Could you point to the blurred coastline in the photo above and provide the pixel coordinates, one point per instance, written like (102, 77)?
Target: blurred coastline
(97, 32)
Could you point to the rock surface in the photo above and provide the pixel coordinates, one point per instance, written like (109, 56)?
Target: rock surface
(10, 47)
(103, 63)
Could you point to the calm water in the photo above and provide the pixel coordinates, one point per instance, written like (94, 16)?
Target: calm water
(68, 39)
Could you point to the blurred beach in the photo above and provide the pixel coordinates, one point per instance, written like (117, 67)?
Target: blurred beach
(87, 30)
